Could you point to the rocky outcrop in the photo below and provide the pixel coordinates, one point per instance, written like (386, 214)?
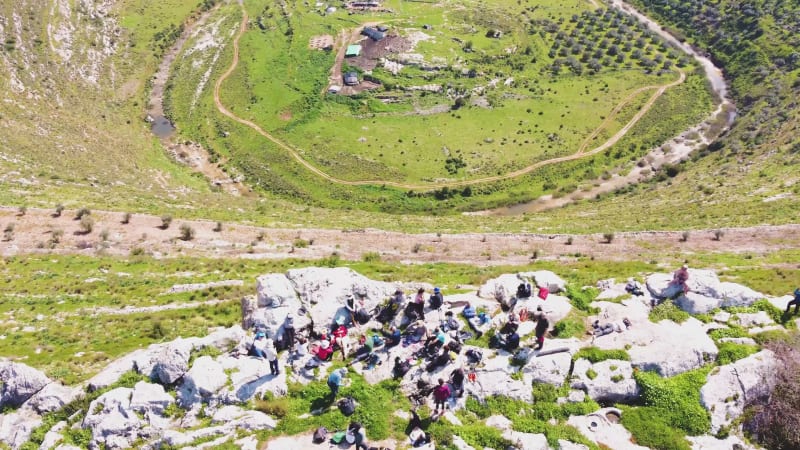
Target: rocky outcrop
(609, 381)
(551, 369)
(16, 426)
(172, 362)
(18, 383)
(53, 397)
(111, 420)
(706, 291)
(202, 381)
(521, 441)
(602, 427)
(730, 387)
(148, 397)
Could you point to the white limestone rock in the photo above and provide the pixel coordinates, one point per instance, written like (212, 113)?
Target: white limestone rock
(111, 420)
(666, 347)
(149, 397)
(112, 372)
(731, 386)
(738, 340)
(203, 380)
(567, 445)
(603, 387)
(546, 279)
(551, 369)
(250, 377)
(53, 397)
(19, 382)
(757, 319)
(706, 292)
(16, 426)
(500, 289)
(527, 441)
(461, 444)
(707, 442)
(599, 429)
(53, 437)
(172, 362)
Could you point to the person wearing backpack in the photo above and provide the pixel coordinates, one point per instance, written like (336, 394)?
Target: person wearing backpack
(393, 336)
(401, 367)
(441, 394)
(795, 302)
(359, 434)
(457, 380)
(512, 342)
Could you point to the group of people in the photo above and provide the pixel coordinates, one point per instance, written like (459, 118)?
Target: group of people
(437, 346)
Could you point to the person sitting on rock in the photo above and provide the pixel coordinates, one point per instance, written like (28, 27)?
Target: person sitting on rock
(419, 304)
(511, 342)
(434, 342)
(795, 302)
(444, 358)
(392, 336)
(259, 345)
(457, 380)
(511, 325)
(680, 277)
(450, 323)
(401, 367)
(634, 288)
(324, 351)
(417, 332)
(365, 351)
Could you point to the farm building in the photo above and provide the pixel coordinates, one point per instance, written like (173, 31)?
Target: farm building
(351, 79)
(353, 50)
(373, 33)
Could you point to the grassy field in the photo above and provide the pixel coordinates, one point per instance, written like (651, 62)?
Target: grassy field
(555, 81)
(48, 297)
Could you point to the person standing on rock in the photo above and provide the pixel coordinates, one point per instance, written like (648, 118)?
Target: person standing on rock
(335, 380)
(542, 324)
(272, 356)
(795, 302)
(441, 394)
(419, 304)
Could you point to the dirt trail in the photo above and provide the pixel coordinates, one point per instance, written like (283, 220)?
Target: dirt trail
(451, 184)
(34, 229)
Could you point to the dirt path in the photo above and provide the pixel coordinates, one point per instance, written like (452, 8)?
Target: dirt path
(452, 184)
(34, 230)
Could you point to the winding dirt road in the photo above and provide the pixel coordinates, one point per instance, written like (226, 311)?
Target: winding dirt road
(581, 153)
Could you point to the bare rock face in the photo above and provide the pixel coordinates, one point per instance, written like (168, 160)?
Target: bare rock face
(53, 397)
(546, 279)
(609, 381)
(551, 369)
(16, 427)
(202, 381)
(19, 383)
(149, 397)
(172, 362)
(730, 387)
(111, 420)
(603, 427)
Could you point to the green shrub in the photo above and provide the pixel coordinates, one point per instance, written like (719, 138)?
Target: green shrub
(166, 221)
(677, 398)
(733, 331)
(83, 212)
(581, 298)
(617, 378)
(275, 407)
(595, 355)
(730, 352)
(650, 430)
(187, 232)
(371, 257)
(570, 326)
(591, 374)
(668, 311)
(300, 243)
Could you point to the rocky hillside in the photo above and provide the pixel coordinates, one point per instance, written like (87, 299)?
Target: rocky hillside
(676, 375)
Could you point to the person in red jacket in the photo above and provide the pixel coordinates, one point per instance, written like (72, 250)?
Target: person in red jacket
(441, 394)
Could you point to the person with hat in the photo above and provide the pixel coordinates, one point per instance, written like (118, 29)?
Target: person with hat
(258, 347)
(335, 380)
(288, 332)
(324, 351)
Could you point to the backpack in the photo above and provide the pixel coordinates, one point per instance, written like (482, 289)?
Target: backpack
(474, 356)
(347, 406)
(455, 346)
(495, 342)
(436, 301)
(320, 435)
(524, 290)
(543, 293)
(402, 369)
(521, 357)
(338, 437)
(362, 316)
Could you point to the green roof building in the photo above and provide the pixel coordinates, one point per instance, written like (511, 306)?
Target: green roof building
(353, 50)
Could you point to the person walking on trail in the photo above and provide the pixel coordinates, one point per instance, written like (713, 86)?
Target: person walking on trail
(272, 356)
(257, 348)
(441, 394)
(542, 324)
(419, 303)
(795, 302)
(335, 380)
